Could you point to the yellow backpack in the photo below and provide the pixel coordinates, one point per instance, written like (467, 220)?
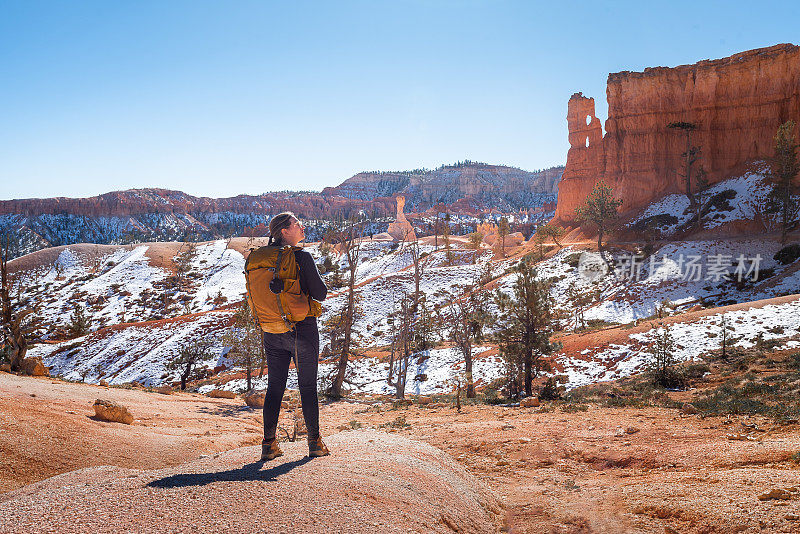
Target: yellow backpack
(277, 305)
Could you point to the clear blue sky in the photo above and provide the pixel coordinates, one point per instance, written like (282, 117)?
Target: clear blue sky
(221, 98)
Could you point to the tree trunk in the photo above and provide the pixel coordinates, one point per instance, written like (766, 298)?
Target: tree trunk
(249, 372)
(185, 376)
(468, 372)
(528, 374)
(18, 354)
(689, 194)
(336, 387)
(417, 277)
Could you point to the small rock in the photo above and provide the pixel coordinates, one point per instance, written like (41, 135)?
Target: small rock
(284, 405)
(777, 493)
(164, 390)
(740, 437)
(207, 433)
(529, 402)
(525, 440)
(287, 397)
(501, 463)
(591, 427)
(221, 394)
(631, 430)
(791, 517)
(688, 409)
(255, 399)
(507, 427)
(6, 367)
(619, 433)
(34, 367)
(103, 382)
(111, 411)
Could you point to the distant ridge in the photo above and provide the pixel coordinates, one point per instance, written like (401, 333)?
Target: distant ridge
(489, 186)
(157, 214)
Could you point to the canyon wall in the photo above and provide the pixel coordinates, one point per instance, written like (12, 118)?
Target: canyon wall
(484, 186)
(737, 104)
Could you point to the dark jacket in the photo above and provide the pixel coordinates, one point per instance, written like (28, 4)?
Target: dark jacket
(310, 281)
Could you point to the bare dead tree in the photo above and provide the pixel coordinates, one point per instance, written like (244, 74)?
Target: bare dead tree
(402, 321)
(690, 157)
(16, 312)
(349, 242)
(468, 317)
(419, 260)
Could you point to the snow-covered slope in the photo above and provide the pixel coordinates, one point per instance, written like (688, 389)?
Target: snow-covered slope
(135, 284)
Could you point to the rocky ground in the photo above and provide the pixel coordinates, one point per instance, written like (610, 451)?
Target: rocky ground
(554, 468)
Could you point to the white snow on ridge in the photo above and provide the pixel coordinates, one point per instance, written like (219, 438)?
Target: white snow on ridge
(773, 321)
(135, 353)
(751, 189)
(222, 274)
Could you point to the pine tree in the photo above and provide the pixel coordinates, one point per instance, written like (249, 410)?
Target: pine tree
(474, 240)
(503, 229)
(190, 355)
(525, 325)
(244, 339)
(600, 209)
(785, 167)
(690, 156)
(726, 337)
(701, 187)
(553, 232)
(662, 363)
(78, 322)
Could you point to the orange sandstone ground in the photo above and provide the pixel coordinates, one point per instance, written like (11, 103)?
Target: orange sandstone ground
(602, 470)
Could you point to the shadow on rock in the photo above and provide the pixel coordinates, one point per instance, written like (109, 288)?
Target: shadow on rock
(247, 472)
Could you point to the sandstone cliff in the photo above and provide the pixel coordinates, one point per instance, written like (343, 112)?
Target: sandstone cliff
(737, 102)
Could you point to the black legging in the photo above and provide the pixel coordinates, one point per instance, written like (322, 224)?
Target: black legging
(279, 349)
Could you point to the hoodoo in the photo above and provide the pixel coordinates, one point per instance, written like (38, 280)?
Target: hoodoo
(737, 104)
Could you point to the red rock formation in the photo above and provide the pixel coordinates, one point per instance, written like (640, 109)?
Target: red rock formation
(737, 102)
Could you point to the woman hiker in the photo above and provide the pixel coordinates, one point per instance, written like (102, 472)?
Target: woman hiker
(302, 342)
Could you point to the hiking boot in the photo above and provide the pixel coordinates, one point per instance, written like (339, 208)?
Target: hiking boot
(270, 450)
(317, 448)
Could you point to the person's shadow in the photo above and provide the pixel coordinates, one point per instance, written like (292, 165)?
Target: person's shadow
(246, 472)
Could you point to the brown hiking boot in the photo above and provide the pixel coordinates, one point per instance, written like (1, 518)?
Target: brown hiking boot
(317, 448)
(270, 450)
